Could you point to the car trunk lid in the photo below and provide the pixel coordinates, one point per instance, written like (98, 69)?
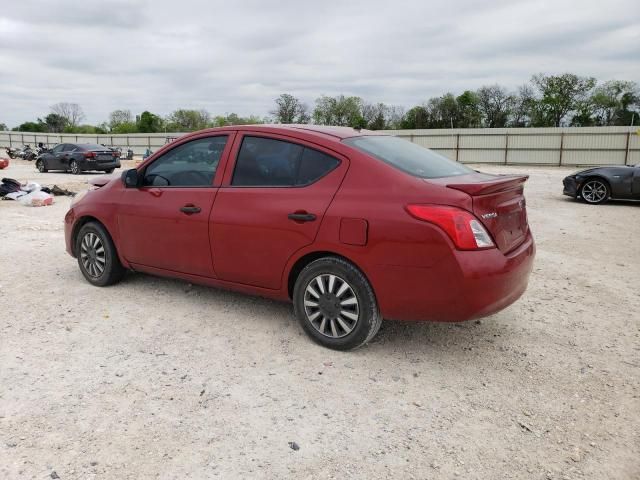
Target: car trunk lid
(498, 202)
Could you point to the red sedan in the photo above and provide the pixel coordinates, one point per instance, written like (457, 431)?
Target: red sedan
(351, 226)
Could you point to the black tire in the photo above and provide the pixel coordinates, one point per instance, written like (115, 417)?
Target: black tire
(75, 168)
(336, 337)
(595, 191)
(112, 270)
(110, 170)
(41, 166)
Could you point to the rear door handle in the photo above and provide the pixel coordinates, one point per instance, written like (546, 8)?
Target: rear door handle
(302, 217)
(189, 209)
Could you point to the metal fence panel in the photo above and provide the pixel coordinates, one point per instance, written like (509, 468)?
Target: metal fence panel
(523, 146)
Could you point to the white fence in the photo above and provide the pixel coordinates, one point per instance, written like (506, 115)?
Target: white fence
(509, 146)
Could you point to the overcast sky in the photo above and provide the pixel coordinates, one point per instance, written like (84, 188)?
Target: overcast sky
(237, 56)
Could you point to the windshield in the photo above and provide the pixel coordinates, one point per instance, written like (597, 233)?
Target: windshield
(408, 157)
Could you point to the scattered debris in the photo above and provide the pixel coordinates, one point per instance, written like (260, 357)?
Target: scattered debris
(294, 446)
(54, 475)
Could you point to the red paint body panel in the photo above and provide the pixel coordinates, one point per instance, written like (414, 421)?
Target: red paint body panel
(242, 239)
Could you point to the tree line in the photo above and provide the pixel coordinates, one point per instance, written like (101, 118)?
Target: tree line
(545, 101)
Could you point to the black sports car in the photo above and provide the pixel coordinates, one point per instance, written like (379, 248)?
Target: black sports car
(77, 157)
(597, 185)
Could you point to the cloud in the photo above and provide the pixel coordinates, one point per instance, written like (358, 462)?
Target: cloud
(238, 56)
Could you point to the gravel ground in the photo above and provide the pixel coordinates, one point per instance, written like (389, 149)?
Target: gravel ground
(156, 378)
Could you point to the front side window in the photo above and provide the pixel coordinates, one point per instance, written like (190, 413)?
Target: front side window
(69, 147)
(192, 164)
(267, 162)
(58, 148)
(408, 157)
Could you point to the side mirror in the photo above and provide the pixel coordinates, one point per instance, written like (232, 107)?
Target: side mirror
(130, 178)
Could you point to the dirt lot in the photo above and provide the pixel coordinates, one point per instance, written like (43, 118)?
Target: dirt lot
(156, 378)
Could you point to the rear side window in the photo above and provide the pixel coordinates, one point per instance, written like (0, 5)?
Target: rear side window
(314, 165)
(268, 162)
(69, 147)
(407, 156)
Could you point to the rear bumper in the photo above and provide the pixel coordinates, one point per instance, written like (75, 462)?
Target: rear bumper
(87, 164)
(570, 186)
(464, 286)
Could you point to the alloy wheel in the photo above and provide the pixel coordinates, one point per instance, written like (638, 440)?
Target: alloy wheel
(594, 191)
(331, 306)
(74, 167)
(93, 255)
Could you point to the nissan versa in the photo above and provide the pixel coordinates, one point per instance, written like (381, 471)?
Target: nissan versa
(351, 226)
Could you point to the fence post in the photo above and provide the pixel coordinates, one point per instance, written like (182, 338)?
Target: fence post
(10, 139)
(457, 147)
(561, 147)
(506, 147)
(626, 153)
(22, 135)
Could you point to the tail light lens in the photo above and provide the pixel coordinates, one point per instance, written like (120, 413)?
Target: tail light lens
(464, 229)
(116, 154)
(89, 154)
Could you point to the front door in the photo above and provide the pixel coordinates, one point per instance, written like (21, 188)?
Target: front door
(164, 223)
(270, 206)
(54, 159)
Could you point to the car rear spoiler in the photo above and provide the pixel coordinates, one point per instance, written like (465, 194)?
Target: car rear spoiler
(501, 183)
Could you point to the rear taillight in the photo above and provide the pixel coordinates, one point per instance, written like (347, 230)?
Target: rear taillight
(89, 154)
(116, 154)
(464, 229)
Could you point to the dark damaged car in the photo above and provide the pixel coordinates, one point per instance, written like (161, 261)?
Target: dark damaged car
(597, 185)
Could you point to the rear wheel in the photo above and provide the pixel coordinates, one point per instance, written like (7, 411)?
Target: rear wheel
(335, 304)
(595, 191)
(40, 165)
(109, 171)
(75, 168)
(97, 256)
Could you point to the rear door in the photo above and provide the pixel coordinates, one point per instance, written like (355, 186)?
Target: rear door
(67, 155)
(271, 204)
(164, 224)
(636, 182)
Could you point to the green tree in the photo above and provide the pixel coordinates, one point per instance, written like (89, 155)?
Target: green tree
(417, 117)
(289, 109)
(183, 120)
(117, 118)
(614, 101)
(339, 111)
(3, 127)
(37, 127)
(559, 95)
(468, 110)
(375, 115)
(495, 105)
(55, 123)
(148, 122)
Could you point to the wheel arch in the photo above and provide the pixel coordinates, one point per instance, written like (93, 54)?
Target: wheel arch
(82, 221)
(309, 257)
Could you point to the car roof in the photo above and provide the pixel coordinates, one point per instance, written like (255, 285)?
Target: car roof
(319, 131)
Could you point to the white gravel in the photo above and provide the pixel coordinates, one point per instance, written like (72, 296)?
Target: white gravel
(155, 378)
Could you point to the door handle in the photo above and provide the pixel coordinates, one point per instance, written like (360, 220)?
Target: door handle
(189, 209)
(301, 217)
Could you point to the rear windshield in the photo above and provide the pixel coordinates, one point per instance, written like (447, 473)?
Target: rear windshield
(92, 147)
(408, 157)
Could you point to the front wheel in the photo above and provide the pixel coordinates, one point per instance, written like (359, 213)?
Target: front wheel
(97, 256)
(40, 165)
(75, 168)
(335, 304)
(595, 191)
